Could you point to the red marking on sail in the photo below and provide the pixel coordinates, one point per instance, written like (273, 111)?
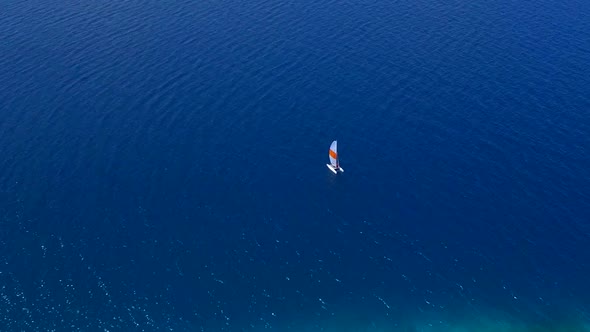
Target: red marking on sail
(333, 154)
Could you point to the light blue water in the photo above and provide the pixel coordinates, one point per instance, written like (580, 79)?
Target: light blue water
(163, 165)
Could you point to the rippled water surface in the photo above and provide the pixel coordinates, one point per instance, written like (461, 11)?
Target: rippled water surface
(163, 165)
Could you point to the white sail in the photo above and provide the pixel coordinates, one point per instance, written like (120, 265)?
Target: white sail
(334, 154)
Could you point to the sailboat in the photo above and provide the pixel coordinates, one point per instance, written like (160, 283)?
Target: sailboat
(334, 164)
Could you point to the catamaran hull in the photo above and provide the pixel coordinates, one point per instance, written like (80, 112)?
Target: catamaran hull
(334, 169)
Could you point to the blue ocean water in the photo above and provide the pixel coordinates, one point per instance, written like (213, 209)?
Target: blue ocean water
(163, 165)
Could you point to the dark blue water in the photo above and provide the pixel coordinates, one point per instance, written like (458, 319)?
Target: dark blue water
(163, 165)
